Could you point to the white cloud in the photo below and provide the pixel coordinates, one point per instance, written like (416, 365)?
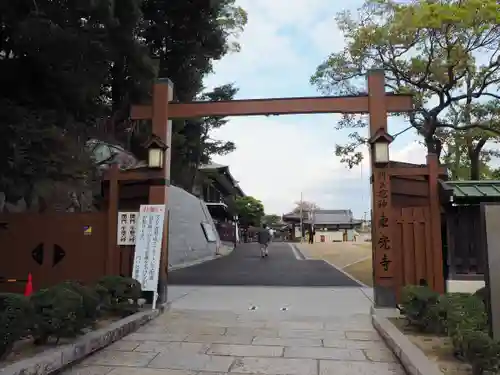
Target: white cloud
(277, 158)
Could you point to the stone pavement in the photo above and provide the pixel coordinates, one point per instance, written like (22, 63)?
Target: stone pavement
(252, 330)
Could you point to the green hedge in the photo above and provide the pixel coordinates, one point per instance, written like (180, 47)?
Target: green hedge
(64, 310)
(462, 317)
(15, 318)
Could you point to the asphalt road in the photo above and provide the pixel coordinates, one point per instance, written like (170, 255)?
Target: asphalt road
(244, 266)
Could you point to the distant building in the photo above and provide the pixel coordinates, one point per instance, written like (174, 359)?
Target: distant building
(328, 223)
(218, 188)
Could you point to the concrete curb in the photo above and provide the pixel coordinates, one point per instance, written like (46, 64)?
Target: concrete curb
(414, 361)
(56, 359)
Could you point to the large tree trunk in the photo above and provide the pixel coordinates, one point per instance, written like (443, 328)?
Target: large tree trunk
(474, 153)
(474, 167)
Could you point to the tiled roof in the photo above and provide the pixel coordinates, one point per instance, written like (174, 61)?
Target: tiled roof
(482, 190)
(327, 217)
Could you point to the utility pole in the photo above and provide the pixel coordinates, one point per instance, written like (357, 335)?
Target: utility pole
(301, 214)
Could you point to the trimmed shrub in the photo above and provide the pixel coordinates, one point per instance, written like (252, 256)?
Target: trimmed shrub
(104, 297)
(482, 294)
(123, 294)
(464, 311)
(90, 299)
(460, 315)
(482, 352)
(417, 305)
(16, 318)
(59, 312)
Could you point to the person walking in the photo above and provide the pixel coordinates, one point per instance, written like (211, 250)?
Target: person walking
(312, 232)
(264, 237)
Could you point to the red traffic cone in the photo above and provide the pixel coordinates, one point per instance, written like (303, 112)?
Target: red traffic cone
(28, 289)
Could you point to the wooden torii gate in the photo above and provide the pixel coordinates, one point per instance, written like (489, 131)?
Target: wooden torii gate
(377, 103)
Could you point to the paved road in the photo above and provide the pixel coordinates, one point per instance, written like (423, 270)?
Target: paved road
(244, 266)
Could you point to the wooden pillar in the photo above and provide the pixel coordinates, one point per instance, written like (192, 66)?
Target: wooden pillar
(162, 127)
(113, 256)
(437, 282)
(384, 264)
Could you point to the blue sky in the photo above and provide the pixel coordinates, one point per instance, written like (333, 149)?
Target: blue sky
(277, 158)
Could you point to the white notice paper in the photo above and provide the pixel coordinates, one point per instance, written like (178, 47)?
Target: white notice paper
(127, 224)
(148, 246)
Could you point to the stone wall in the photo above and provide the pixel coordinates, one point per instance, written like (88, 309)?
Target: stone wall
(187, 242)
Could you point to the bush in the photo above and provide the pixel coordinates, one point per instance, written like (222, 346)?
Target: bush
(482, 352)
(104, 297)
(90, 299)
(16, 318)
(59, 312)
(418, 305)
(462, 316)
(123, 294)
(482, 294)
(464, 312)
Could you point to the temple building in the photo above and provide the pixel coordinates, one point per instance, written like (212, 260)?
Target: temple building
(218, 188)
(329, 225)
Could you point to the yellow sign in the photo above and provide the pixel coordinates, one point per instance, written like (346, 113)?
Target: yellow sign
(87, 230)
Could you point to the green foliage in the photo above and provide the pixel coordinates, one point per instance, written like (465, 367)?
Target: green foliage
(59, 313)
(417, 303)
(195, 145)
(250, 211)
(482, 352)
(199, 33)
(271, 219)
(90, 299)
(464, 311)
(427, 49)
(70, 71)
(123, 292)
(16, 318)
(461, 316)
(482, 294)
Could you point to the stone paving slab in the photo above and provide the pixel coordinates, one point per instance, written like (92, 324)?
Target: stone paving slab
(359, 368)
(157, 347)
(214, 339)
(89, 370)
(281, 341)
(189, 361)
(246, 350)
(271, 366)
(240, 344)
(120, 358)
(325, 353)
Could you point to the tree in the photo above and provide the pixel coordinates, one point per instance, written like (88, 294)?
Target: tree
(198, 146)
(53, 60)
(185, 36)
(250, 211)
(69, 69)
(271, 219)
(467, 153)
(306, 206)
(428, 49)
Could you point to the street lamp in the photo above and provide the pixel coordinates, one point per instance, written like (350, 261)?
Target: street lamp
(156, 152)
(379, 145)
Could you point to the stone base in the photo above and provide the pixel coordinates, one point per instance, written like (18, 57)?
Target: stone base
(463, 286)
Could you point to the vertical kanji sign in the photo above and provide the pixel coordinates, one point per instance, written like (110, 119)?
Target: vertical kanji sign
(384, 263)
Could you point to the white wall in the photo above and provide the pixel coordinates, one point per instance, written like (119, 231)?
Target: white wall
(187, 242)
